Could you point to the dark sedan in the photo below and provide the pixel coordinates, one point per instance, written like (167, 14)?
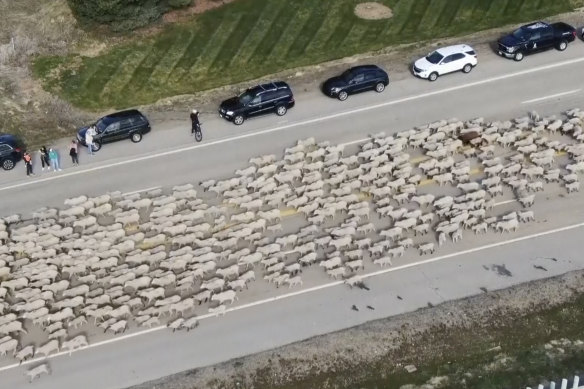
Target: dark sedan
(355, 80)
(11, 149)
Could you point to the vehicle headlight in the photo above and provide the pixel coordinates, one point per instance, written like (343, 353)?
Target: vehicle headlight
(229, 113)
(511, 49)
(336, 89)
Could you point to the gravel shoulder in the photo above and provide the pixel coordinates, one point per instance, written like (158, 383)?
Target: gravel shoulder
(394, 341)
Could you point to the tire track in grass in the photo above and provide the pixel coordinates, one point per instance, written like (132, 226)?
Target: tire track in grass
(327, 27)
(257, 34)
(374, 30)
(293, 30)
(309, 31)
(100, 78)
(204, 61)
(414, 18)
(274, 33)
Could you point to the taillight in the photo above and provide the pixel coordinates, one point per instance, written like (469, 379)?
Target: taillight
(17, 150)
(574, 33)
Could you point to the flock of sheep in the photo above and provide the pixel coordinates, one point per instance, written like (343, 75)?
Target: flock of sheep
(116, 261)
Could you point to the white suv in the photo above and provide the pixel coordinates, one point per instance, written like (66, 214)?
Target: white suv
(446, 60)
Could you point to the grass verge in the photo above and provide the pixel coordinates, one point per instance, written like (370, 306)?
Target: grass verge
(248, 39)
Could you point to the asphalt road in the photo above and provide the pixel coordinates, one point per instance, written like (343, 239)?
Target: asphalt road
(498, 88)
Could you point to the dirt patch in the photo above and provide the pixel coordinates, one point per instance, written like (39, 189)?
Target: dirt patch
(198, 7)
(373, 11)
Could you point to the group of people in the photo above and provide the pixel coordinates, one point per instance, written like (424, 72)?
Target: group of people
(50, 158)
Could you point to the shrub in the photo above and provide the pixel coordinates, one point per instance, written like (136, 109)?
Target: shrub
(122, 15)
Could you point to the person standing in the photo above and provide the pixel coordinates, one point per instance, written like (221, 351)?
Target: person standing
(54, 158)
(45, 158)
(89, 140)
(74, 152)
(28, 163)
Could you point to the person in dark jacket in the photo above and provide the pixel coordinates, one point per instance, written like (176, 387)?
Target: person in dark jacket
(195, 123)
(45, 158)
(74, 152)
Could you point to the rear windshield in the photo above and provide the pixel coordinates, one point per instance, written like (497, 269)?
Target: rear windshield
(434, 57)
(471, 52)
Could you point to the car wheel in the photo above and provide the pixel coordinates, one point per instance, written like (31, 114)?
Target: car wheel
(238, 120)
(8, 164)
(136, 137)
(518, 56)
(433, 76)
(563, 45)
(380, 87)
(281, 110)
(343, 95)
(96, 146)
(467, 68)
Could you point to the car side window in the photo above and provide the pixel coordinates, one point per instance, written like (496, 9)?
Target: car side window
(113, 127)
(358, 78)
(256, 100)
(471, 52)
(547, 33)
(457, 56)
(4, 149)
(448, 59)
(536, 35)
(370, 76)
(129, 122)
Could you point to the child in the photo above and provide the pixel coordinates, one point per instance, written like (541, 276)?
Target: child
(28, 163)
(73, 152)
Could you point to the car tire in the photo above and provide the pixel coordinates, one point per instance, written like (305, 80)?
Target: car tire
(281, 110)
(563, 45)
(136, 137)
(8, 164)
(467, 68)
(96, 146)
(433, 76)
(238, 120)
(379, 87)
(343, 95)
(518, 56)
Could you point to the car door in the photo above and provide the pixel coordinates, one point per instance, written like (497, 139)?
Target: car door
(547, 38)
(446, 64)
(535, 43)
(371, 79)
(357, 84)
(112, 133)
(457, 62)
(255, 106)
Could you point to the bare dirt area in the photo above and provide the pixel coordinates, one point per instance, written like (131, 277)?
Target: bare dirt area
(396, 348)
(373, 11)
(198, 7)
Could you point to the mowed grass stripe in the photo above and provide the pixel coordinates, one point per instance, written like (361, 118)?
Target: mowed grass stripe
(480, 12)
(143, 71)
(206, 58)
(168, 62)
(119, 80)
(433, 11)
(354, 36)
(413, 25)
(259, 30)
(401, 15)
(272, 36)
(512, 8)
(202, 33)
(447, 15)
(496, 9)
(101, 77)
(464, 15)
(329, 24)
(309, 30)
(374, 30)
(293, 29)
(240, 33)
(340, 32)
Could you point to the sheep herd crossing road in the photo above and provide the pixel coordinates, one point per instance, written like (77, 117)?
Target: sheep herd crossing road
(117, 262)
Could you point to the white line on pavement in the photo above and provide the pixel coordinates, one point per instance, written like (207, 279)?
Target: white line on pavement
(140, 191)
(314, 289)
(551, 96)
(301, 123)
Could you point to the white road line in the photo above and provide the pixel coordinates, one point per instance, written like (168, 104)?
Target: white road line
(314, 289)
(505, 202)
(140, 191)
(354, 142)
(551, 96)
(301, 123)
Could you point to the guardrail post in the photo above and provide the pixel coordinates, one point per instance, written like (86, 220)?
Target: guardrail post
(564, 383)
(576, 382)
(552, 385)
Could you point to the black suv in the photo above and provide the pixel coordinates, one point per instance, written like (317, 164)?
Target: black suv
(116, 126)
(355, 80)
(265, 98)
(11, 149)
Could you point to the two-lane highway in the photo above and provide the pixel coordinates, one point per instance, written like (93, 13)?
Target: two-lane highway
(497, 88)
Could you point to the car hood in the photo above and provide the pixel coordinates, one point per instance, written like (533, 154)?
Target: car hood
(230, 104)
(510, 41)
(334, 82)
(423, 64)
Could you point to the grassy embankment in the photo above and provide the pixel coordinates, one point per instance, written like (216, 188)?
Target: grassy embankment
(248, 39)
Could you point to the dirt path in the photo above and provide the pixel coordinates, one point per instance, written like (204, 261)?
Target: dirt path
(393, 340)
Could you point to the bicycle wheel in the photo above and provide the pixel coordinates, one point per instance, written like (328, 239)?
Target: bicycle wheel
(198, 136)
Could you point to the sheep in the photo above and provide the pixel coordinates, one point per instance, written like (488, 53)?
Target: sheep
(47, 348)
(527, 201)
(507, 225)
(426, 248)
(152, 294)
(37, 371)
(218, 311)
(573, 186)
(383, 261)
(526, 216)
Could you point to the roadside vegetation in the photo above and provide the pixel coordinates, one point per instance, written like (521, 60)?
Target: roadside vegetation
(247, 39)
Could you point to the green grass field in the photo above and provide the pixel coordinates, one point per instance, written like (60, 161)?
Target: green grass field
(251, 38)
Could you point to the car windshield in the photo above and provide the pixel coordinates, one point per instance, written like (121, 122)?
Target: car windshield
(245, 98)
(434, 57)
(347, 75)
(101, 125)
(520, 34)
